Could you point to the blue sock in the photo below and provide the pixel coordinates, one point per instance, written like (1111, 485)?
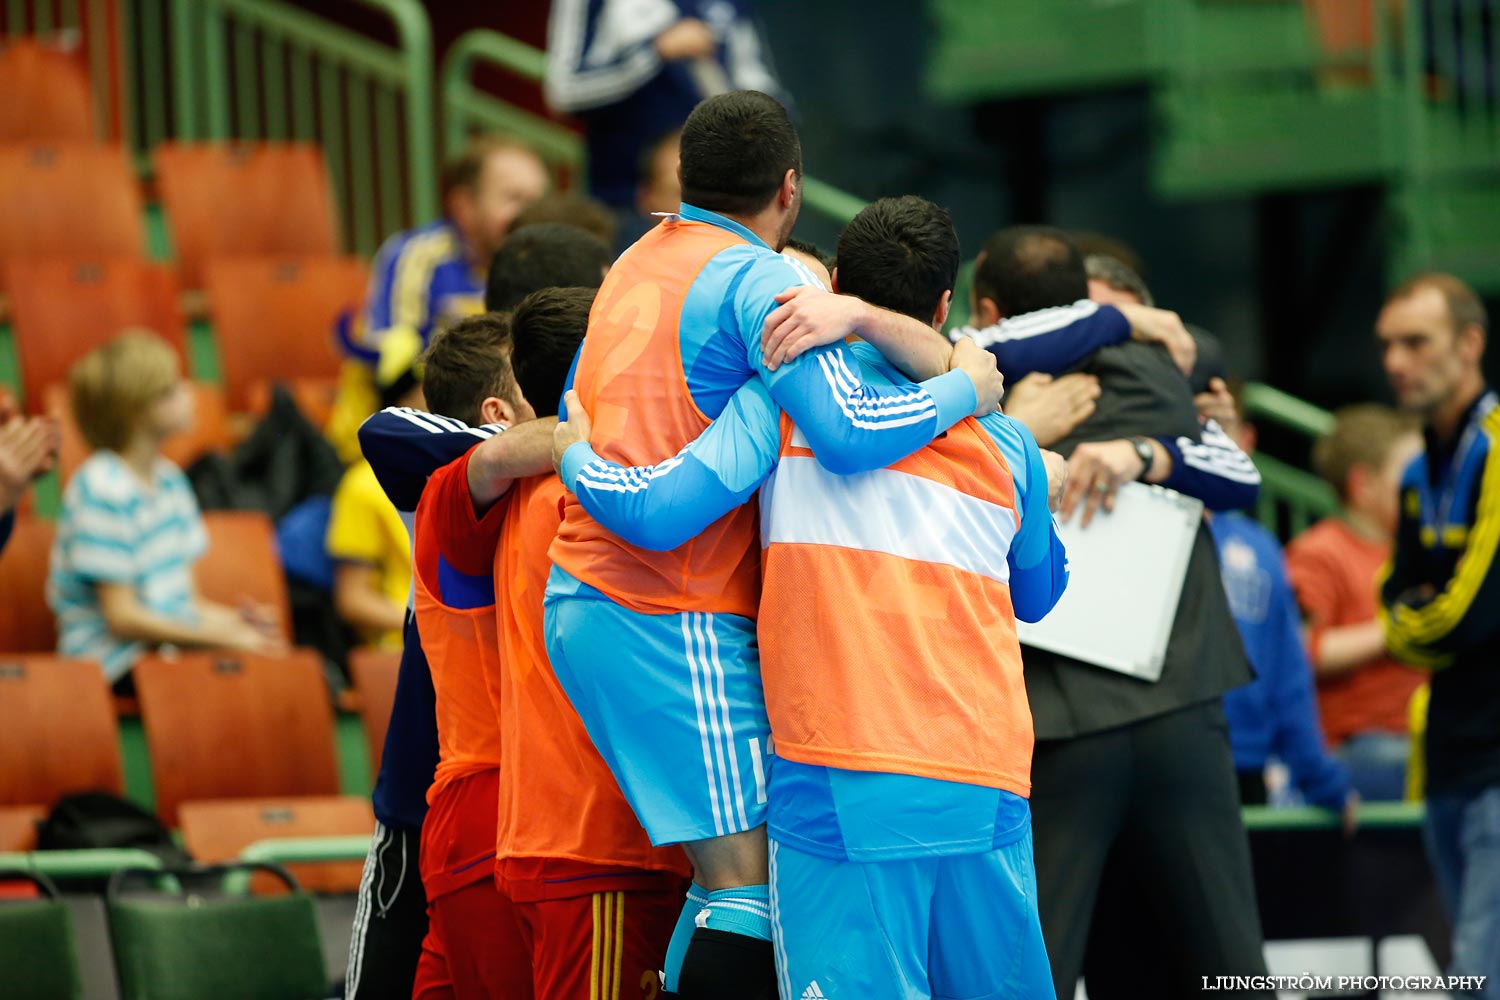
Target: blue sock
(697, 898)
(745, 910)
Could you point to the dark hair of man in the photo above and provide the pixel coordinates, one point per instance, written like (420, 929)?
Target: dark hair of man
(1117, 275)
(812, 250)
(546, 255)
(900, 254)
(1026, 268)
(548, 327)
(466, 364)
(736, 149)
(1465, 308)
(588, 214)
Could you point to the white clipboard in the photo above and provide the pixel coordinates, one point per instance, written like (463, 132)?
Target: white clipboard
(1126, 571)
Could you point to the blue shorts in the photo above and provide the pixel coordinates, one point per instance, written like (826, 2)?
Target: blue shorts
(674, 705)
(960, 926)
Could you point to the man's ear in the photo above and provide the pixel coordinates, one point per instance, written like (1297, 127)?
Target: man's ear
(788, 193)
(495, 410)
(986, 313)
(1471, 343)
(834, 277)
(944, 305)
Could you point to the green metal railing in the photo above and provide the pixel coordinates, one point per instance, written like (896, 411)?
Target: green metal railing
(467, 108)
(263, 69)
(1303, 496)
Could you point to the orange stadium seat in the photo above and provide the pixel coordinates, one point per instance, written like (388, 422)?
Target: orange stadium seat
(211, 430)
(69, 200)
(242, 564)
(279, 202)
(218, 830)
(26, 622)
(275, 318)
(234, 726)
(375, 672)
(18, 827)
(60, 731)
(62, 309)
(47, 96)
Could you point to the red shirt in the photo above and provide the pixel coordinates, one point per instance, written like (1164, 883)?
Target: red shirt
(455, 611)
(1335, 574)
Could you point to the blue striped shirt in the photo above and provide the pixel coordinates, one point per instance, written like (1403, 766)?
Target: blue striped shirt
(114, 528)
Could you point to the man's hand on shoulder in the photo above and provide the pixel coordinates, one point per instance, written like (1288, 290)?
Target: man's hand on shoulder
(808, 318)
(1057, 478)
(1164, 327)
(979, 365)
(569, 432)
(1052, 408)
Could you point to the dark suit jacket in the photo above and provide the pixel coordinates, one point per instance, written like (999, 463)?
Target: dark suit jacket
(1143, 393)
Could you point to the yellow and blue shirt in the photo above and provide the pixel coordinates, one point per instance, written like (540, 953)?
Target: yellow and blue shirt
(1440, 598)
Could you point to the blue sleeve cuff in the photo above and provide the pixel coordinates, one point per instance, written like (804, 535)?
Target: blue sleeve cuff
(955, 397)
(579, 454)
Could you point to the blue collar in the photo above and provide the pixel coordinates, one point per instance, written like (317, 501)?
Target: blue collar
(695, 214)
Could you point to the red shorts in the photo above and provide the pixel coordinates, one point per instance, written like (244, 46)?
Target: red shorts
(474, 948)
(604, 945)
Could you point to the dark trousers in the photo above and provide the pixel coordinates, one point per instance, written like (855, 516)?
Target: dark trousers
(390, 919)
(1143, 864)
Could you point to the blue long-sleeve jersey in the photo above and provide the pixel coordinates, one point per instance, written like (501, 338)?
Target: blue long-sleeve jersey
(405, 447)
(1277, 713)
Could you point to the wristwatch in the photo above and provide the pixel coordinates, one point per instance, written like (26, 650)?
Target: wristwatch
(1147, 455)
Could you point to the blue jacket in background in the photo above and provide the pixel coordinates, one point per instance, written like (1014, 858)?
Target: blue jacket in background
(1277, 713)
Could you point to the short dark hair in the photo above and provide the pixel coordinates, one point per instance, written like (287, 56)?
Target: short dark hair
(589, 214)
(900, 254)
(467, 364)
(548, 326)
(736, 149)
(1026, 268)
(812, 250)
(546, 255)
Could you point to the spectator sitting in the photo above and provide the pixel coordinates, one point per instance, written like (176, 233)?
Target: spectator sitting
(368, 541)
(121, 578)
(426, 278)
(1277, 713)
(1335, 565)
(28, 448)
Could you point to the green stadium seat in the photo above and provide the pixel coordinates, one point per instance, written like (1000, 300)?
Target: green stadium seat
(38, 950)
(228, 948)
